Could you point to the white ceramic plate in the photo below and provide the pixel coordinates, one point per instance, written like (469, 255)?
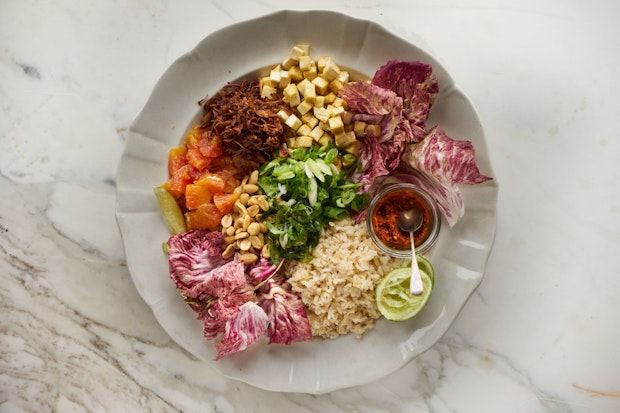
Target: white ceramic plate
(237, 51)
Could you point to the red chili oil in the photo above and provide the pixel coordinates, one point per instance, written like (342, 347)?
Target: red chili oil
(385, 219)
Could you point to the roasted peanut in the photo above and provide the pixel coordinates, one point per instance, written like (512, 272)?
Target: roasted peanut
(256, 242)
(248, 258)
(241, 235)
(250, 188)
(244, 198)
(254, 228)
(226, 221)
(244, 244)
(253, 180)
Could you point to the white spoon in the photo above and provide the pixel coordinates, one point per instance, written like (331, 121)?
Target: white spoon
(410, 220)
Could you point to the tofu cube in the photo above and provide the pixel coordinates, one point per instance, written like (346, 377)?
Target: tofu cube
(374, 130)
(265, 81)
(295, 74)
(305, 62)
(336, 86)
(289, 62)
(304, 107)
(336, 126)
(268, 92)
(330, 97)
(299, 51)
(293, 122)
(291, 95)
(321, 85)
(283, 115)
(321, 62)
(354, 148)
(319, 101)
(359, 128)
(304, 141)
(343, 76)
(316, 133)
(326, 139)
(321, 114)
(309, 92)
(304, 130)
(331, 70)
(347, 117)
(274, 75)
(285, 79)
(301, 86)
(345, 139)
(311, 73)
(309, 119)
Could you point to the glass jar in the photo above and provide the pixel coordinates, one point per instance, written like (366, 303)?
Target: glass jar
(382, 219)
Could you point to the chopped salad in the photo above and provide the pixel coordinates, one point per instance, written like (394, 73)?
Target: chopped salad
(272, 162)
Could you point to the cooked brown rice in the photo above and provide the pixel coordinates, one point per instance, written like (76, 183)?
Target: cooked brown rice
(338, 284)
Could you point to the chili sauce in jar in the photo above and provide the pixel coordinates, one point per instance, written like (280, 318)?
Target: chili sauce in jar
(383, 213)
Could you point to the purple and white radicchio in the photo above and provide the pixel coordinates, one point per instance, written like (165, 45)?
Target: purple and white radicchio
(238, 301)
(439, 163)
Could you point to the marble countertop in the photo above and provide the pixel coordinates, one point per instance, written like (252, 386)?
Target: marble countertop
(541, 333)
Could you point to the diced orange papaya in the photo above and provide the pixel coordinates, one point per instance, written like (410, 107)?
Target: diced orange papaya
(225, 202)
(230, 181)
(196, 195)
(206, 216)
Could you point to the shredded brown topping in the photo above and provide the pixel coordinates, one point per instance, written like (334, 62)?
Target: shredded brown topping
(248, 125)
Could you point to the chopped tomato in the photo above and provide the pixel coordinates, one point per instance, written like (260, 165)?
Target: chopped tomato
(225, 202)
(206, 216)
(176, 159)
(197, 194)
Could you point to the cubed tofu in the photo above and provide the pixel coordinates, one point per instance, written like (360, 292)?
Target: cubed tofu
(330, 97)
(291, 95)
(336, 86)
(345, 139)
(309, 119)
(354, 148)
(265, 81)
(321, 85)
(309, 92)
(304, 107)
(319, 101)
(316, 133)
(304, 130)
(343, 76)
(359, 128)
(321, 62)
(285, 79)
(374, 130)
(311, 73)
(347, 117)
(336, 126)
(283, 115)
(321, 114)
(299, 51)
(293, 122)
(331, 70)
(304, 141)
(295, 74)
(305, 62)
(268, 92)
(288, 63)
(274, 75)
(339, 102)
(326, 139)
(301, 86)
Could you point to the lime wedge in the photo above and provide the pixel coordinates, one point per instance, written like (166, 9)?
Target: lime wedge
(170, 210)
(425, 265)
(392, 296)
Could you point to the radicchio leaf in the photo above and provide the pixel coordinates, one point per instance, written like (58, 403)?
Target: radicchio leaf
(242, 329)
(288, 320)
(192, 255)
(444, 162)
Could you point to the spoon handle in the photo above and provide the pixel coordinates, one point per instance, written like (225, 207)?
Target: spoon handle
(415, 286)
